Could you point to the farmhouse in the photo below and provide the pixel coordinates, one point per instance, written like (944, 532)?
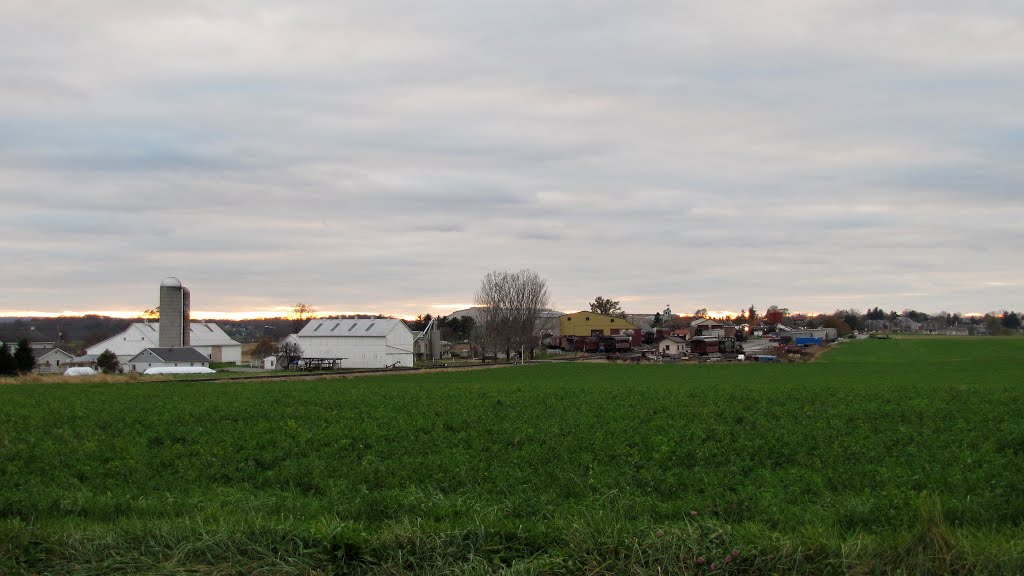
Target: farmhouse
(52, 361)
(362, 343)
(167, 358)
(710, 327)
(672, 346)
(206, 337)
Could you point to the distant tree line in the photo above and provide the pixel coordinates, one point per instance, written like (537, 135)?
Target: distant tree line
(453, 328)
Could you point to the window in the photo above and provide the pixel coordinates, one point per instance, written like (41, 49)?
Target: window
(613, 320)
(588, 318)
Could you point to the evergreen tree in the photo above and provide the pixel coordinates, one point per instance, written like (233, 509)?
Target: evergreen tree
(7, 365)
(24, 357)
(108, 362)
(1010, 320)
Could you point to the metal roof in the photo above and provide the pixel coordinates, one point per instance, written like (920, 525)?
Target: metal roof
(142, 335)
(183, 354)
(348, 328)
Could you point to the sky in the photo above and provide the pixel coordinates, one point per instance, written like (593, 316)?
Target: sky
(382, 156)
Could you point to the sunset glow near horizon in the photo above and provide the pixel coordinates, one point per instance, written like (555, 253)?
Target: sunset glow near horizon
(285, 312)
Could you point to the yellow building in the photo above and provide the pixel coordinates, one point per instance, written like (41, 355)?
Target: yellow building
(592, 324)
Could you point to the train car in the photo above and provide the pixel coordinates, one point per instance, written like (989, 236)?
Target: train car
(704, 345)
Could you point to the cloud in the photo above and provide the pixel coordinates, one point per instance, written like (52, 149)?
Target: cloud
(388, 154)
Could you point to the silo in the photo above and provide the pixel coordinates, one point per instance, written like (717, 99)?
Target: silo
(174, 313)
(435, 344)
(186, 316)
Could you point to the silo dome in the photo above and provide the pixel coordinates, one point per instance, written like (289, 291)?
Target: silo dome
(170, 282)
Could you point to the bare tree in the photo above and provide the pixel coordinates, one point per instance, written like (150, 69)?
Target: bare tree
(302, 313)
(512, 303)
(265, 347)
(288, 352)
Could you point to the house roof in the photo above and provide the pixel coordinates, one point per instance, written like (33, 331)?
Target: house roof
(56, 351)
(709, 322)
(183, 354)
(348, 328)
(147, 335)
(675, 339)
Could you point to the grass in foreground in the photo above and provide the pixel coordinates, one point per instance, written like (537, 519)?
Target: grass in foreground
(886, 457)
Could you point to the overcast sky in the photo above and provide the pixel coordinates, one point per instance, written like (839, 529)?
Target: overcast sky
(383, 156)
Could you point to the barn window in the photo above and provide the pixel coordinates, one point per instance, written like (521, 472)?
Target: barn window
(613, 320)
(588, 318)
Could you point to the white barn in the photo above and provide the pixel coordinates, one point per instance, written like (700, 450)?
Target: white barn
(363, 343)
(206, 337)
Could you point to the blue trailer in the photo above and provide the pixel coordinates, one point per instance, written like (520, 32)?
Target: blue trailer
(807, 341)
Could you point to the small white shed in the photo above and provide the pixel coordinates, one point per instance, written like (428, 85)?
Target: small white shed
(672, 346)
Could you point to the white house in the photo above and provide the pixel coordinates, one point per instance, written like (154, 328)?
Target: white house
(186, 356)
(206, 337)
(52, 361)
(362, 343)
(672, 346)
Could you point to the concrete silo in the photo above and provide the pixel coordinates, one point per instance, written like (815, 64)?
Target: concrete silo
(174, 313)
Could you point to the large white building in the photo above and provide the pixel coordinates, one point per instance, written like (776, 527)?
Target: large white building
(364, 343)
(206, 337)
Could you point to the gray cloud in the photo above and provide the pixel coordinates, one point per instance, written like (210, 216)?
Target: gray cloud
(386, 155)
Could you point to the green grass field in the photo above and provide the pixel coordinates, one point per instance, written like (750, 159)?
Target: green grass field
(903, 456)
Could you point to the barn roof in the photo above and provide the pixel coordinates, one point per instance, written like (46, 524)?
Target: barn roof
(182, 354)
(141, 335)
(348, 328)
